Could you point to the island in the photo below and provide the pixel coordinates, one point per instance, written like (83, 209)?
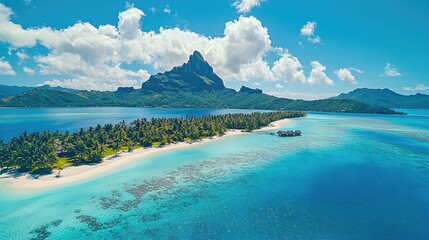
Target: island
(192, 85)
(42, 152)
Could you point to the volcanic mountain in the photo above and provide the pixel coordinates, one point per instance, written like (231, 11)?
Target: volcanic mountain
(192, 85)
(194, 76)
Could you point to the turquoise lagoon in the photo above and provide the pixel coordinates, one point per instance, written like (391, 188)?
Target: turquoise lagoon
(349, 176)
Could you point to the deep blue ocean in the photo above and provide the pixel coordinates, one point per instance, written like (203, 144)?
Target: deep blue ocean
(349, 176)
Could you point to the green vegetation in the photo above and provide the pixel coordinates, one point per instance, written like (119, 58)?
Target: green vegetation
(47, 151)
(387, 98)
(192, 85)
(226, 98)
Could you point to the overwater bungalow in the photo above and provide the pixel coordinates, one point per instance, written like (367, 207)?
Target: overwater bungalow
(289, 133)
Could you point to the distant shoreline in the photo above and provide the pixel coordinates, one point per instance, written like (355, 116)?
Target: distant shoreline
(80, 173)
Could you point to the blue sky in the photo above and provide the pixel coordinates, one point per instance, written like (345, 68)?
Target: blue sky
(296, 49)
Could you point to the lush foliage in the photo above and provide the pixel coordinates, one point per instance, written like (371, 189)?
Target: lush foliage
(387, 98)
(226, 98)
(52, 150)
(194, 84)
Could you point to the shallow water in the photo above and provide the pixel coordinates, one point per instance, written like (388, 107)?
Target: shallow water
(348, 177)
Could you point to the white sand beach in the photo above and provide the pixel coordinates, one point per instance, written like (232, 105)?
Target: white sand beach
(79, 173)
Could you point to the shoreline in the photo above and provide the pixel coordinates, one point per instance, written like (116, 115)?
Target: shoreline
(80, 173)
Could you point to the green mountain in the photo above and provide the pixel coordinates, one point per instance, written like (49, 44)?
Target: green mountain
(226, 98)
(196, 75)
(192, 85)
(7, 91)
(387, 98)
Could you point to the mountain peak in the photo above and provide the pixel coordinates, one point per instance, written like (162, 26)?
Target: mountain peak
(196, 55)
(195, 75)
(245, 89)
(197, 64)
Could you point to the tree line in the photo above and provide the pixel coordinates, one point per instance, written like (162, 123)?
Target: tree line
(44, 151)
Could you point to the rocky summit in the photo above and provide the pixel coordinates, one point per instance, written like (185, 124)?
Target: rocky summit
(196, 75)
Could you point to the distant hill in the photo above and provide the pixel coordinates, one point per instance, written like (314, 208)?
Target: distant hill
(7, 91)
(226, 98)
(387, 98)
(192, 85)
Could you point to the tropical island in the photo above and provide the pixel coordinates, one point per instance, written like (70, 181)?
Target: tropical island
(43, 152)
(192, 85)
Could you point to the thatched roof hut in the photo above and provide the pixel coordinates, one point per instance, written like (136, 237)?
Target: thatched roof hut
(289, 133)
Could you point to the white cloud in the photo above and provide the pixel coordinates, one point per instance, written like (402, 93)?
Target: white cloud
(299, 95)
(167, 9)
(245, 6)
(254, 70)
(256, 84)
(108, 79)
(356, 70)
(289, 69)
(83, 52)
(15, 35)
(22, 56)
(391, 70)
(129, 23)
(279, 85)
(314, 40)
(345, 74)
(318, 75)
(6, 68)
(28, 71)
(308, 31)
(419, 87)
(152, 9)
(245, 41)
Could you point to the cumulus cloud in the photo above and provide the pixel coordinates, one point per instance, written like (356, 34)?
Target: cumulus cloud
(279, 85)
(90, 57)
(308, 31)
(82, 48)
(6, 68)
(391, 70)
(318, 75)
(419, 87)
(109, 80)
(245, 6)
(345, 74)
(256, 84)
(289, 69)
(167, 9)
(28, 71)
(15, 35)
(129, 23)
